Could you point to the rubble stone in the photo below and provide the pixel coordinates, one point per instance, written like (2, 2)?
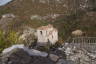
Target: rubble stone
(53, 57)
(62, 61)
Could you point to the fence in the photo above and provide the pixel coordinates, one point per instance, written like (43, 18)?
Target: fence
(84, 40)
(88, 43)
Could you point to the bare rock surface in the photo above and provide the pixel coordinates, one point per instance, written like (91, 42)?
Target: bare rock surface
(62, 61)
(53, 57)
(31, 52)
(79, 54)
(19, 56)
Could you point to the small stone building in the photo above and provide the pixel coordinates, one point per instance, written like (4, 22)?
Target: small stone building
(47, 35)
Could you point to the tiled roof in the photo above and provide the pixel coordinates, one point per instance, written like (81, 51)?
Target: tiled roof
(48, 27)
(45, 27)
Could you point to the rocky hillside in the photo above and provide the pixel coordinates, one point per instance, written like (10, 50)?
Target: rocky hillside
(66, 15)
(49, 7)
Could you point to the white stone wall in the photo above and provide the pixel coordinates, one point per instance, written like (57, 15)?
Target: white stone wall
(54, 37)
(45, 36)
(42, 38)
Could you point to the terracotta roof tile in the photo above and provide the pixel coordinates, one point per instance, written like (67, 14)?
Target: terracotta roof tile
(45, 27)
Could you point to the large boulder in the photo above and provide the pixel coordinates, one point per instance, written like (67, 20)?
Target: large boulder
(31, 52)
(53, 57)
(19, 56)
(16, 56)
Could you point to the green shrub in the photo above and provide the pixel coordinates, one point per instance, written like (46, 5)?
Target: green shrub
(12, 37)
(8, 39)
(2, 41)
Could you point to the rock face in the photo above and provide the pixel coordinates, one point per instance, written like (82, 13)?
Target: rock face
(31, 52)
(6, 20)
(19, 56)
(80, 55)
(10, 21)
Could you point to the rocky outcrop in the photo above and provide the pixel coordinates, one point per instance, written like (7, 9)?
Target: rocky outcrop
(10, 21)
(19, 54)
(31, 52)
(6, 20)
(79, 54)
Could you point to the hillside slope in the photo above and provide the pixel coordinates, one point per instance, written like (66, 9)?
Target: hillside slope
(66, 15)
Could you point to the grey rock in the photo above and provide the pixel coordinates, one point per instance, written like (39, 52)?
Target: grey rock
(20, 56)
(34, 52)
(8, 15)
(53, 57)
(62, 61)
(31, 52)
(16, 56)
(82, 55)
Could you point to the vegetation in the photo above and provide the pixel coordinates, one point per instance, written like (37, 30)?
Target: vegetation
(2, 41)
(12, 37)
(8, 39)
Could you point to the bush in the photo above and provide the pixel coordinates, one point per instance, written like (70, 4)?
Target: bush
(3, 41)
(13, 37)
(8, 39)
